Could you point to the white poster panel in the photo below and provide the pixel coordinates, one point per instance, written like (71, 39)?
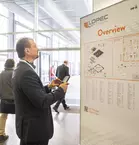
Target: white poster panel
(110, 75)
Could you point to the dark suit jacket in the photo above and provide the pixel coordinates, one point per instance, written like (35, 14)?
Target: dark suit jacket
(6, 91)
(32, 102)
(62, 71)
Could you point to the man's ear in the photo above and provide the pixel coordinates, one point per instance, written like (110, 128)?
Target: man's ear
(27, 50)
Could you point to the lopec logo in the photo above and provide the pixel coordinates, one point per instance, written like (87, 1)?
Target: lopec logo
(96, 20)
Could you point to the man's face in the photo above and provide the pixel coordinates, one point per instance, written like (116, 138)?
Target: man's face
(32, 52)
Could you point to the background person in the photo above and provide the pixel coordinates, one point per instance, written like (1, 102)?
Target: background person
(7, 105)
(52, 73)
(61, 72)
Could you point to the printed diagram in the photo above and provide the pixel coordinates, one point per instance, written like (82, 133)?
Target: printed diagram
(113, 58)
(95, 53)
(97, 58)
(98, 53)
(126, 62)
(98, 68)
(131, 49)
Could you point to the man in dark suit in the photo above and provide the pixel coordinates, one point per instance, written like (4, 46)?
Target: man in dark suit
(34, 123)
(61, 72)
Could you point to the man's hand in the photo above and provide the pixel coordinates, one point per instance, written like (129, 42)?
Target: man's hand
(55, 83)
(64, 86)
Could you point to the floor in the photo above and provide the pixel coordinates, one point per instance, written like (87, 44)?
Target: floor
(66, 133)
(73, 92)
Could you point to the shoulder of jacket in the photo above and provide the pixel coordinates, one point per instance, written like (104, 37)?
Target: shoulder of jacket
(28, 74)
(25, 66)
(23, 69)
(29, 71)
(4, 72)
(66, 66)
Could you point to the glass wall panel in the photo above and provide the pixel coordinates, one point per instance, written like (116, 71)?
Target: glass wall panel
(41, 41)
(44, 67)
(3, 57)
(20, 28)
(3, 26)
(56, 59)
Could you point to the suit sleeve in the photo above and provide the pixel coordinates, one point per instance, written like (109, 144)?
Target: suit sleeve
(47, 89)
(32, 88)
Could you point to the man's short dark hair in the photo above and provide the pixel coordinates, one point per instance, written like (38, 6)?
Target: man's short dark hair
(65, 61)
(21, 45)
(9, 63)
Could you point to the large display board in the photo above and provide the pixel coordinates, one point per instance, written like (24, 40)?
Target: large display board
(110, 75)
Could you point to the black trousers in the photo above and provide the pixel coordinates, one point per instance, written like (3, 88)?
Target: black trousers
(61, 101)
(7, 106)
(39, 143)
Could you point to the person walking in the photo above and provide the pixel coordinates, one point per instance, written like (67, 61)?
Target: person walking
(61, 72)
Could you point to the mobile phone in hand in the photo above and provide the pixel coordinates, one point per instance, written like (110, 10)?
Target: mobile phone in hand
(66, 78)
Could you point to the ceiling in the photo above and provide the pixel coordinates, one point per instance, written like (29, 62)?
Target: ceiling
(55, 14)
(72, 9)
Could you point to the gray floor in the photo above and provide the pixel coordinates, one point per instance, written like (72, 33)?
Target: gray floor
(66, 130)
(73, 92)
